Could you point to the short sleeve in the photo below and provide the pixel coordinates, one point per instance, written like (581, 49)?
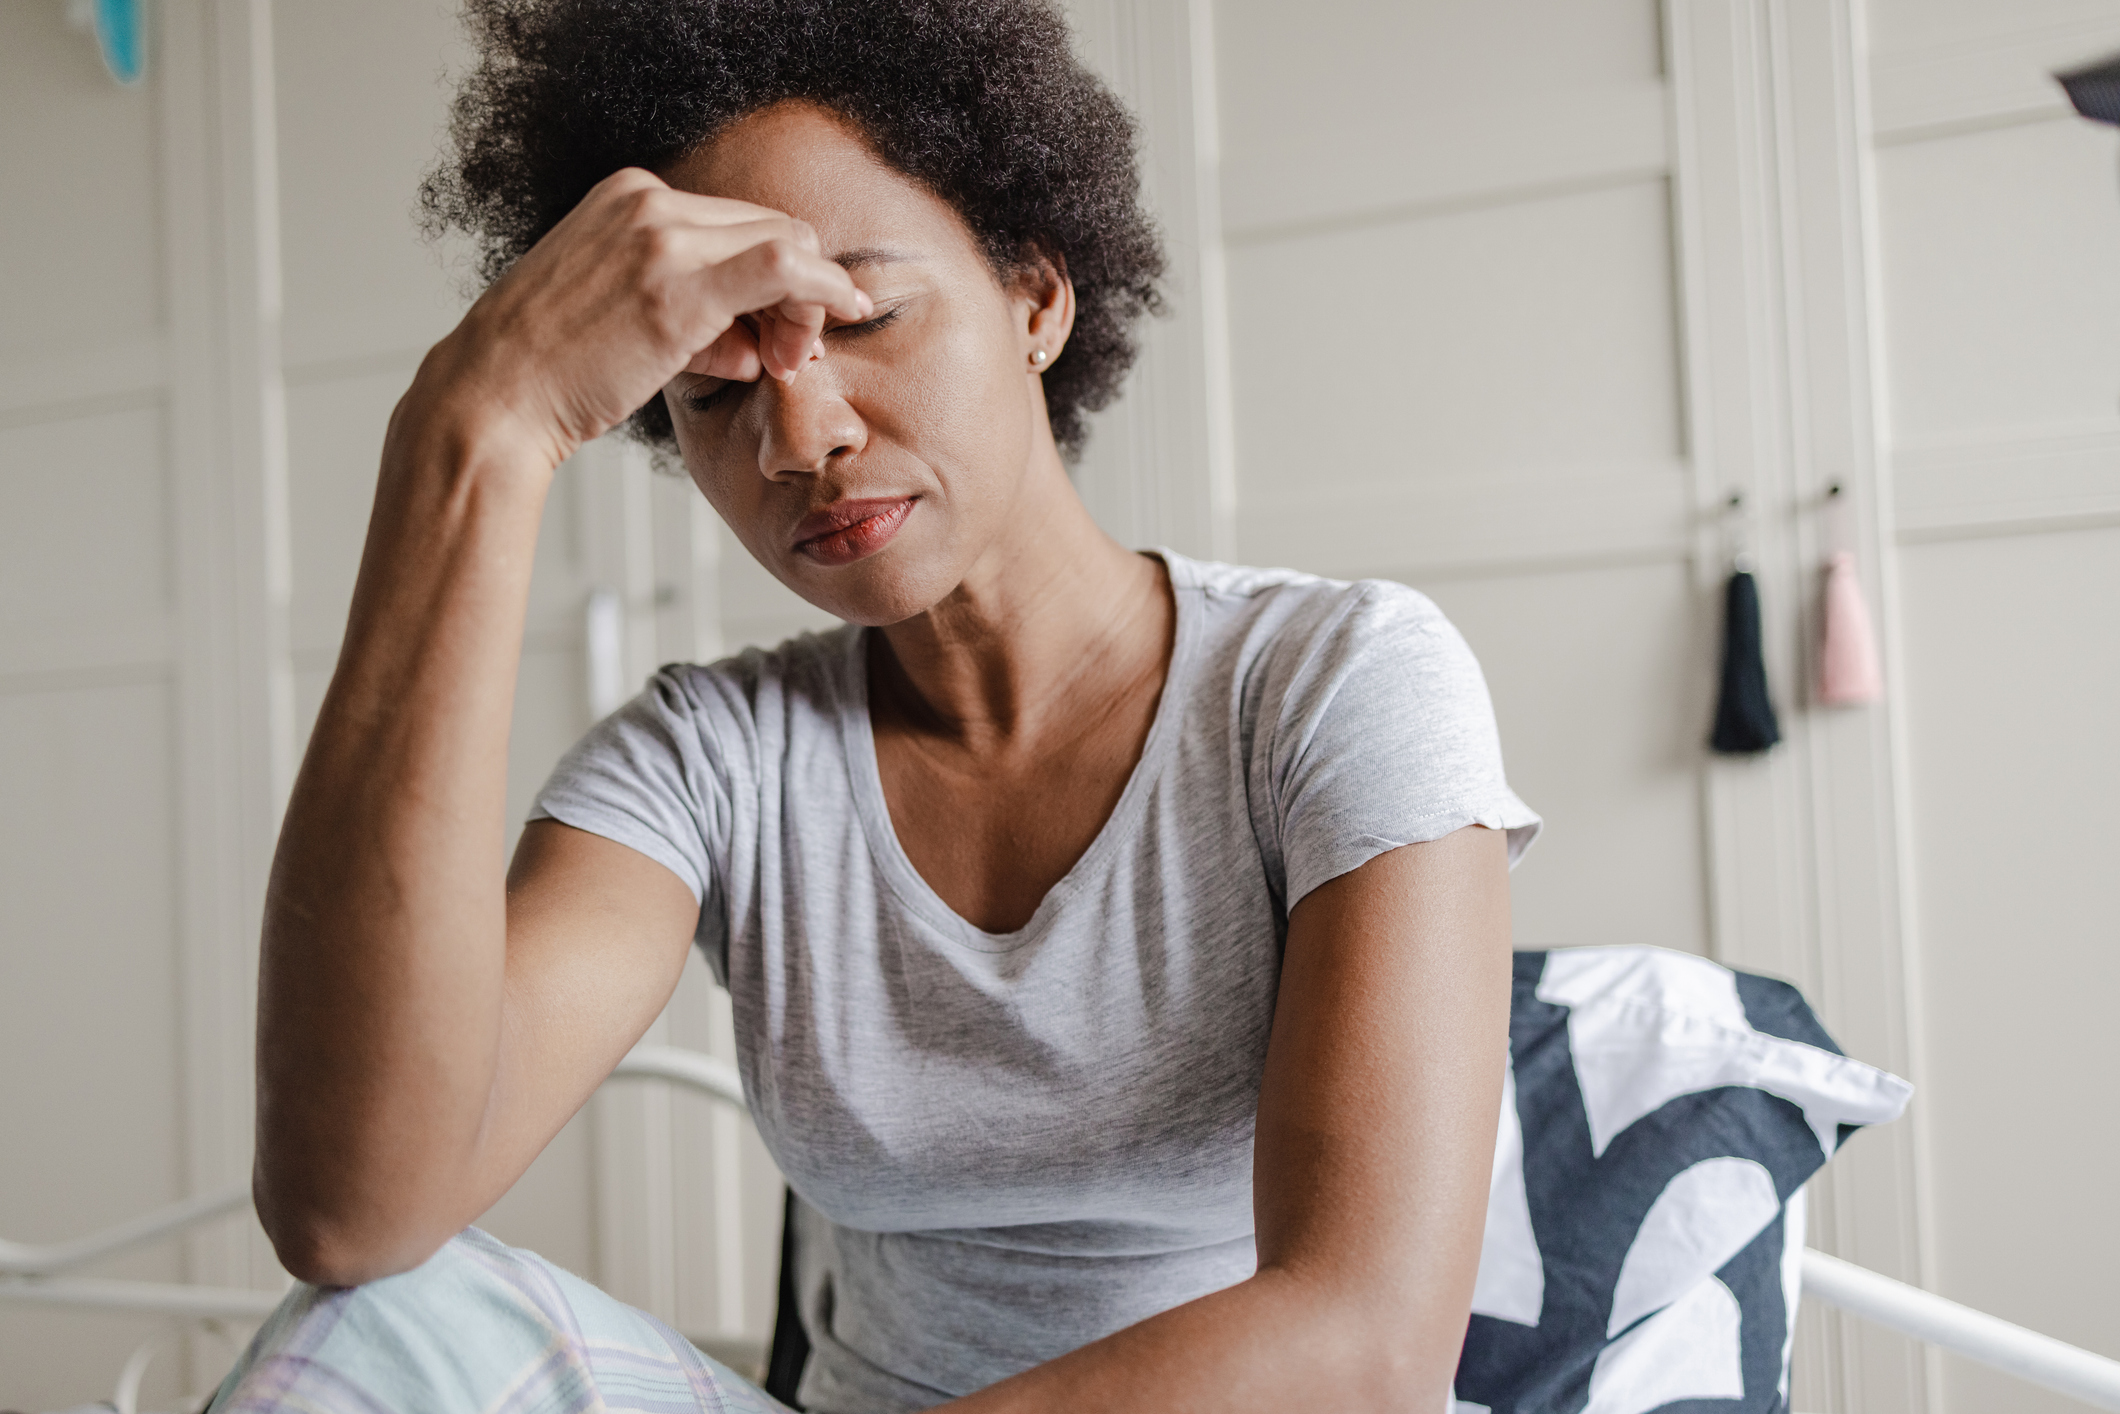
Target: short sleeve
(650, 776)
(1380, 734)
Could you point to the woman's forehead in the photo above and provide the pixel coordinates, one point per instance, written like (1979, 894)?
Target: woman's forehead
(806, 162)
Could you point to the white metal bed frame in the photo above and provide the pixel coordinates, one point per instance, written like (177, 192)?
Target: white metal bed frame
(36, 1275)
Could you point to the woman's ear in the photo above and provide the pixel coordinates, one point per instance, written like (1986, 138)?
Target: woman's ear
(1045, 305)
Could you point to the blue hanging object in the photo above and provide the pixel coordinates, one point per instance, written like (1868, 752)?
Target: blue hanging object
(120, 27)
(121, 33)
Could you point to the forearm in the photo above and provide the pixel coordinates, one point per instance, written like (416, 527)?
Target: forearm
(1277, 1342)
(384, 947)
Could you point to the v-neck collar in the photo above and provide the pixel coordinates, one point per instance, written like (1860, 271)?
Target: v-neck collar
(858, 739)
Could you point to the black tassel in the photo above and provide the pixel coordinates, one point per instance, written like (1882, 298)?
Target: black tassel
(1744, 717)
(2095, 90)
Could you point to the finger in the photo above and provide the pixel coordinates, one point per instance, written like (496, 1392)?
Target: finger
(791, 330)
(776, 273)
(725, 212)
(777, 261)
(733, 356)
(712, 242)
(623, 182)
(652, 200)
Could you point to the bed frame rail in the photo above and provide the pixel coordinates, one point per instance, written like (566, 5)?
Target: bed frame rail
(2030, 1356)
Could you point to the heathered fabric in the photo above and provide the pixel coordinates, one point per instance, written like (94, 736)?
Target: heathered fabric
(1009, 1145)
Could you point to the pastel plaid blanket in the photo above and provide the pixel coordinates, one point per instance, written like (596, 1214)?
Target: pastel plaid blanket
(480, 1327)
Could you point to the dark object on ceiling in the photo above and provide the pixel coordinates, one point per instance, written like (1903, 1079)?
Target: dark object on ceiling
(2095, 90)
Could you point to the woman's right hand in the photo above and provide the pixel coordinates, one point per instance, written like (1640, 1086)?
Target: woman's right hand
(636, 284)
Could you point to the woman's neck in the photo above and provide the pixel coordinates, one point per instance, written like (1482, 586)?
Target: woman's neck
(1054, 624)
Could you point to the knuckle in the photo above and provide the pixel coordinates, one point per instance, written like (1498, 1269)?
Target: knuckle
(643, 203)
(627, 185)
(658, 243)
(668, 322)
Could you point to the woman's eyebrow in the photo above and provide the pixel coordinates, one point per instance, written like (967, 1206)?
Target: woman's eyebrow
(870, 255)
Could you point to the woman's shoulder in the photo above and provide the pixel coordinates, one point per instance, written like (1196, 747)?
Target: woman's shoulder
(1360, 712)
(668, 768)
(1282, 612)
(810, 669)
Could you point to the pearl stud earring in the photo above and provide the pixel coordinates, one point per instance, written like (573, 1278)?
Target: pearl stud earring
(1038, 357)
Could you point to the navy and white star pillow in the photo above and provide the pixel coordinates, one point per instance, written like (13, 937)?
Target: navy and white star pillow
(1660, 1118)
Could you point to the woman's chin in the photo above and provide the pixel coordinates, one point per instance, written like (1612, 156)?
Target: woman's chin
(878, 590)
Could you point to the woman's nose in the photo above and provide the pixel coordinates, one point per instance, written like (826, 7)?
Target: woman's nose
(808, 422)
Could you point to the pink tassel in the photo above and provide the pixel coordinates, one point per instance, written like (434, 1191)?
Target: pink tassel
(1848, 675)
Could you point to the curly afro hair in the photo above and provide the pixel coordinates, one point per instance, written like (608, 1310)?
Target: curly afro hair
(981, 101)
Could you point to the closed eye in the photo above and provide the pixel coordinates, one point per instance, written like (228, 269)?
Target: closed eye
(881, 321)
(712, 394)
(708, 396)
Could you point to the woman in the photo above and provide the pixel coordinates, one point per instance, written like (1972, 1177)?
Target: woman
(1118, 943)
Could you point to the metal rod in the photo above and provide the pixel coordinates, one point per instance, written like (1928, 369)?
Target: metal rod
(707, 1074)
(21, 1259)
(2030, 1356)
(704, 1073)
(154, 1297)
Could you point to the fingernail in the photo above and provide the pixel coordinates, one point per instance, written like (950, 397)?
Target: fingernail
(816, 348)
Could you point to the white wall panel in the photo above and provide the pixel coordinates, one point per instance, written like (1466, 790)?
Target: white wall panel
(2001, 290)
(2012, 670)
(1313, 80)
(78, 167)
(334, 445)
(1386, 108)
(1601, 697)
(84, 522)
(1998, 218)
(362, 98)
(89, 1087)
(1424, 353)
(1899, 26)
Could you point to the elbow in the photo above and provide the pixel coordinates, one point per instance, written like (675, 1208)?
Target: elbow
(1402, 1377)
(1374, 1345)
(326, 1248)
(1407, 1364)
(321, 1256)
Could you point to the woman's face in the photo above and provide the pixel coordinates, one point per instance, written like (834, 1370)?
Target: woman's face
(875, 482)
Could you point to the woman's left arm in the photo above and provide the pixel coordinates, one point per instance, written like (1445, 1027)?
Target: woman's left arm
(1375, 1148)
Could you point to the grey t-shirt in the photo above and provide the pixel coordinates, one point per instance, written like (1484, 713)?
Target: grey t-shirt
(1008, 1145)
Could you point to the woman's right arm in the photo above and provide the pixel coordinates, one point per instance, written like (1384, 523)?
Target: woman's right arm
(425, 1026)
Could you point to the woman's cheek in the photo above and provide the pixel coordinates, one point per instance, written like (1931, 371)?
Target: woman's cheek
(972, 402)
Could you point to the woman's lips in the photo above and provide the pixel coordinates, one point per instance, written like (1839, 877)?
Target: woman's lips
(845, 531)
